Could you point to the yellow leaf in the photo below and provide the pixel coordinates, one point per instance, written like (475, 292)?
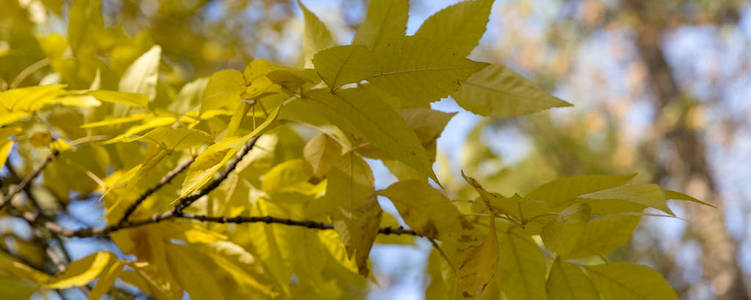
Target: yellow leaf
(621, 280)
(344, 64)
(604, 234)
(646, 195)
(499, 92)
(562, 192)
(223, 90)
(521, 266)
(286, 177)
(357, 215)
(215, 156)
(419, 71)
(28, 99)
(563, 234)
(127, 98)
(479, 266)
(317, 36)
(681, 196)
(357, 111)
(82, 271)
(186, 264)
(115, 121)
(459, 26)
(78, 101)
(568, 282)
(321, 153)
(149, 124)
(385, 21)
(176, 139)
(141, 76)
(425, 209)
(5, 151)
(106, 280)
(17, 269)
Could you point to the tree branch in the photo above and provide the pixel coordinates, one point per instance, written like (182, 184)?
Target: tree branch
(26, 181)
(164, 181)
(187, 201)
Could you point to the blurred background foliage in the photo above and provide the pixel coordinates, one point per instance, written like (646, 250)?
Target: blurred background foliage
(660, 89)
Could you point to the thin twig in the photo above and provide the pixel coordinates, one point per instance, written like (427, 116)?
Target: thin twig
(26, 181)
(187, 201)
(164, 181)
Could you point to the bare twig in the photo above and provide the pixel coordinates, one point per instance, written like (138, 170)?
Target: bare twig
(26, 181)
(164, 181)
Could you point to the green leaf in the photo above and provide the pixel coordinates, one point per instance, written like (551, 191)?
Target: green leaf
(562, 192)
(419, 70)
(499, 92)
(648, 195)
(459, 26)
(479, 265)
(141, 76)
(317, 36)
(425, 209)
(344, 64)
(621, 280)
(357, 111)
(521, 266)
(357, 215)
(385, 22)
(223, 90)
(82, 271)
(568, 282)
(681, 196)
(132, 99)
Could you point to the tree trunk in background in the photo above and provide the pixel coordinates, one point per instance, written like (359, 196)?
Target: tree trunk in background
(688, 166)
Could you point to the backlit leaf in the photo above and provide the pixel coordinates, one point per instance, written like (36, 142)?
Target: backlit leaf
(419, 70)
(425, 209)
(385, 21)
(459, 26)
(82, 271)
(499, 92)
(356, 214)
(568, 282)
(344, 64)
(141, 76)
(521, 266)
(223, 90)
(321, 153)
(359, 112)
(317, 36)
(479, 265)
(621, 280)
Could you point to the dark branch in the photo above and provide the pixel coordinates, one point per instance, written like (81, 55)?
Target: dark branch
(164, 181)
(187, 201)
(26, 181)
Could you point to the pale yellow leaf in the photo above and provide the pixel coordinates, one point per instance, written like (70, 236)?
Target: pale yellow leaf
(420, 71)
(344, 64)
(425, 209)
(499, 92)
(521, 266)
(568, 282)
(357, 111)
(127, 98)
(625, 281)
(223, 90)
(459, 26)
(141, 76)
(321, 153)
(82, 271)
(317, 36)
(385, 21)
(479, 265)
